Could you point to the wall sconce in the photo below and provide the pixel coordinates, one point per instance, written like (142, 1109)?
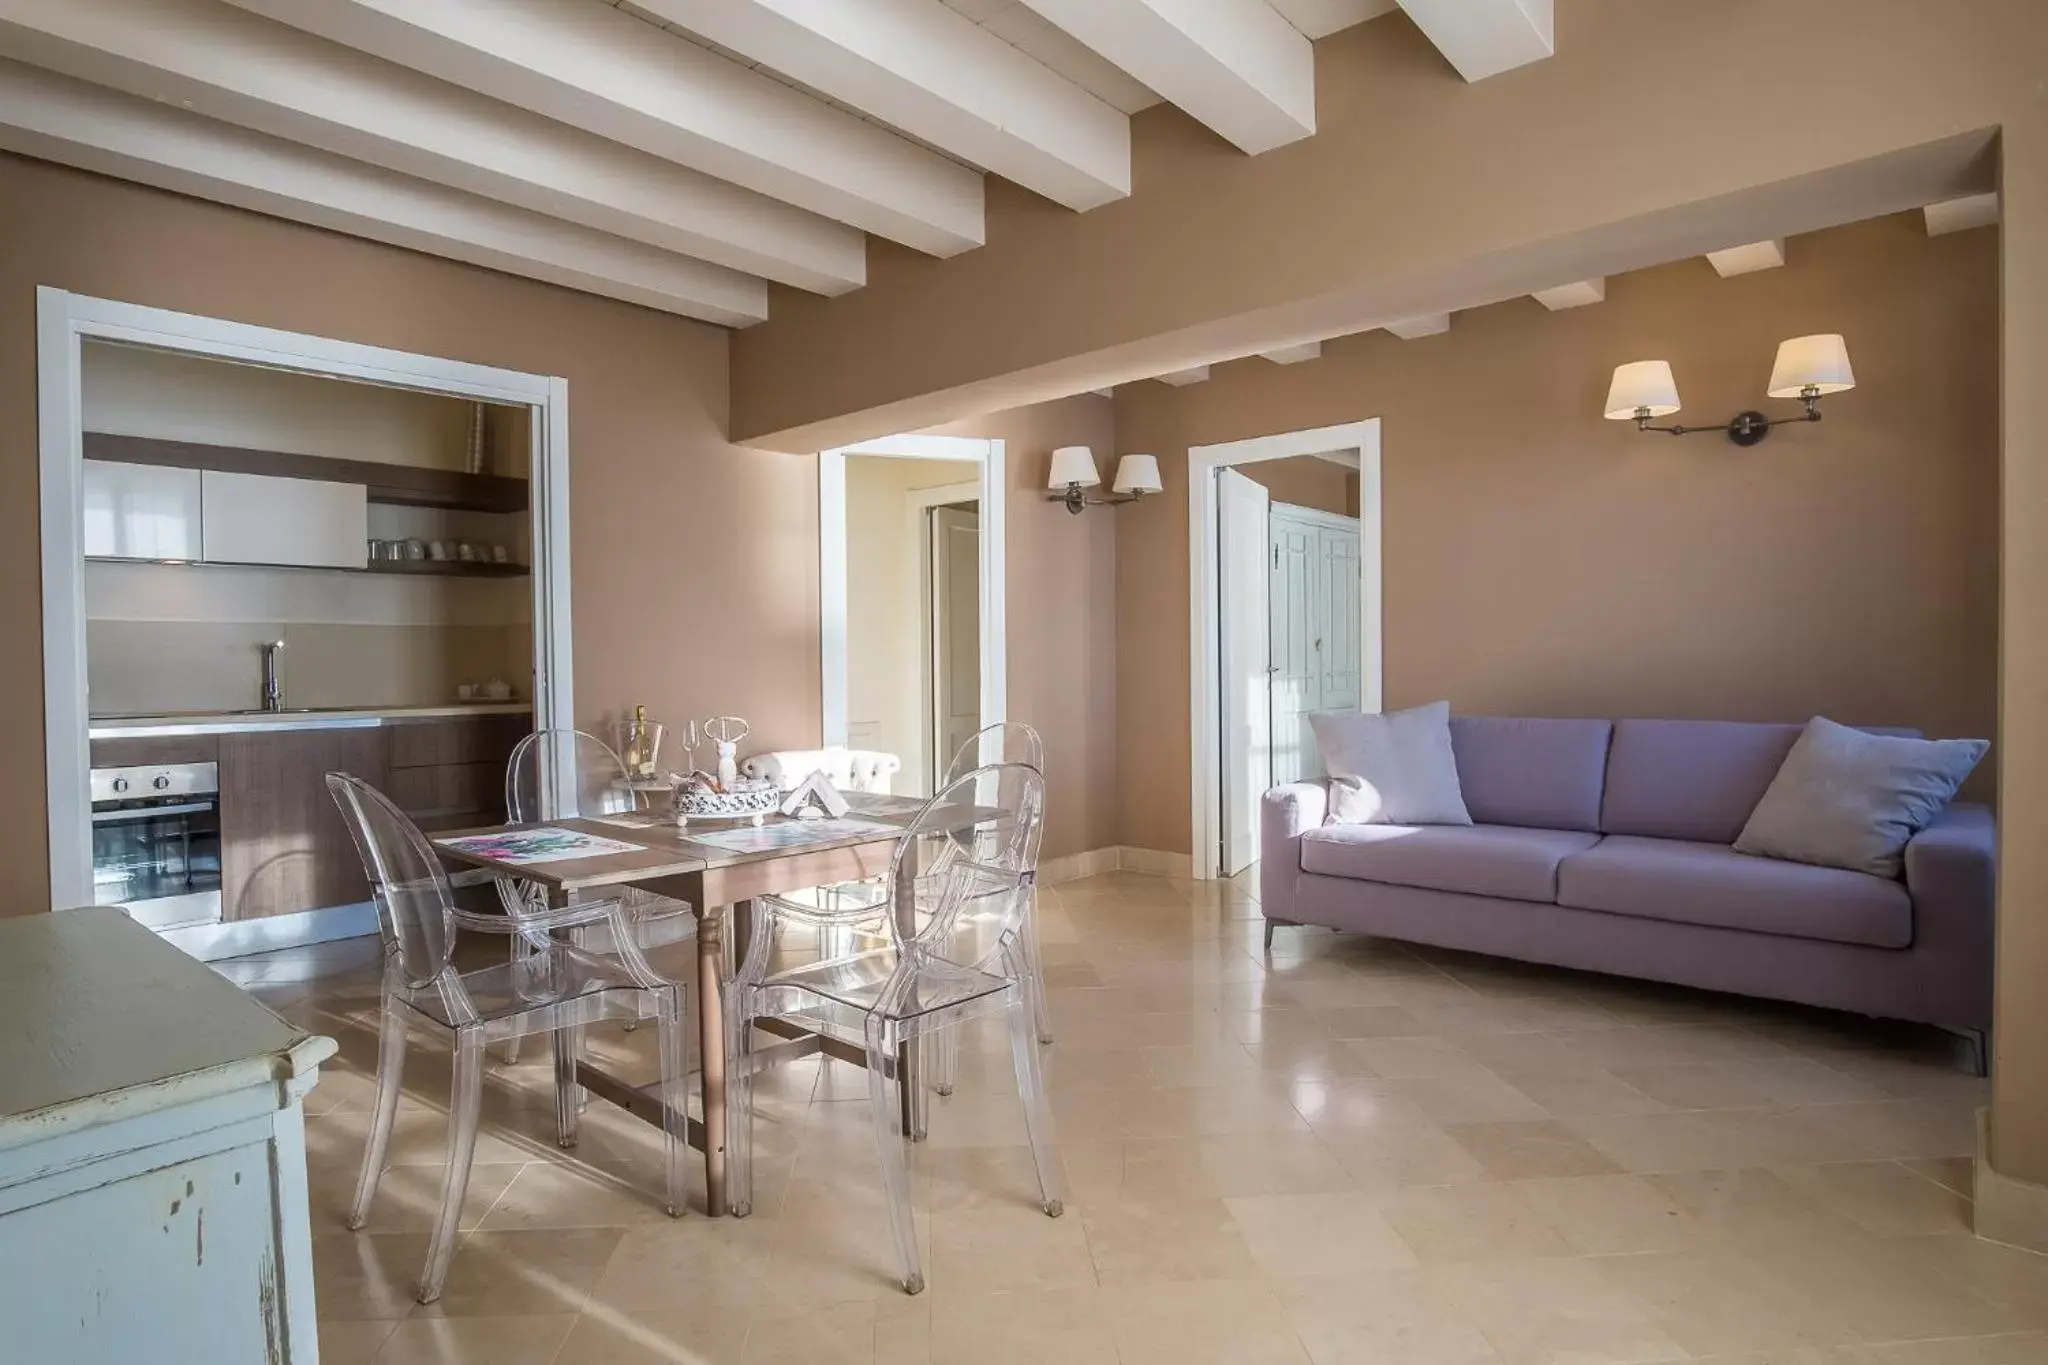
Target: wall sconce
(1808, 368)
(1073, 469)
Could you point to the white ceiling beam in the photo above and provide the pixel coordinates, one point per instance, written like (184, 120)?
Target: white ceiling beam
(602, 70)
(1960, 215)
(1180, 379)
(1748, 258)
(1483, 38)
(1321, 18)
(1576, 295)
(1234, 65)
(937, 75)
(1294, 355)
(56, 118)
(218, 61)
(1432, 324)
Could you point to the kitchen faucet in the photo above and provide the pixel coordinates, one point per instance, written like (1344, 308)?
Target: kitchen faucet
(273, 692)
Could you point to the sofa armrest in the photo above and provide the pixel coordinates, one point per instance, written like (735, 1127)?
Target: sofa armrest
(1952, 875)
(1285, 814)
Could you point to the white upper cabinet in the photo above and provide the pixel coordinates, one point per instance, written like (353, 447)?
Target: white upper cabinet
(255, 519)
(141, 511)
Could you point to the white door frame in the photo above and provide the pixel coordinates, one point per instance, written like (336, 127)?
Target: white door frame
(989, 493)
(64, 322)
(1205, 701)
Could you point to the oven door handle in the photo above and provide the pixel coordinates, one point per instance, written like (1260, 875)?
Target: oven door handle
(111, 817)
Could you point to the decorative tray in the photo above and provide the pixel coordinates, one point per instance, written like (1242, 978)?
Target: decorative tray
(749, 799)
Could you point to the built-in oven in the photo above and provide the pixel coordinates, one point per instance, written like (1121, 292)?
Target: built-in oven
(156, 842)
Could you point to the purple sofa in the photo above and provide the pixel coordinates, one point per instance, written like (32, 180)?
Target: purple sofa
(1605, 845)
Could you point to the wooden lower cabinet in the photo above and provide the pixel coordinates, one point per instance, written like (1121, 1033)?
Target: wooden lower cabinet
(284, 847)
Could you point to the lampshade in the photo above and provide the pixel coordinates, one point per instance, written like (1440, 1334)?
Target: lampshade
(1642, 384)
(1071, 465)
(1137, 474)
(1820, 361)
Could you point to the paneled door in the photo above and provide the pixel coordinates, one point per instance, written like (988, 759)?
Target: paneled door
(1314, 590)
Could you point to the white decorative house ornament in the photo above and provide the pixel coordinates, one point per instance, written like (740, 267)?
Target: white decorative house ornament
(815, 799)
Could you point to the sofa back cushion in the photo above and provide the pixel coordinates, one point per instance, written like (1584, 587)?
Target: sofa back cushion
(1693, 779)
(1536, 773)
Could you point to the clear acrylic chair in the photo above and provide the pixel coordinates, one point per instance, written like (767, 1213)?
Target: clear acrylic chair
(851, 908)
(969, 854)
(557, 774)
(555, 990)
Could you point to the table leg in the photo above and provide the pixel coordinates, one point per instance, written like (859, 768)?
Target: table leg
(909, 1076)
(710, 943)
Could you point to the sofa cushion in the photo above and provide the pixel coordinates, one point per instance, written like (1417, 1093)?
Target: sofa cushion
(1479, 860)
(1712, 884)
(1392, 767)
(1545, 774)
(1693, 779)
(1847, 799)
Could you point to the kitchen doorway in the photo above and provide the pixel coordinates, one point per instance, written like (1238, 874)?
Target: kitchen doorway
(66, 323)
(911, 575)
(1284, 613)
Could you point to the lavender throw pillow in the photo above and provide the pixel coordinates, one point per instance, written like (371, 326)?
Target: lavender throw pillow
(1395, 768)
(1846, 798)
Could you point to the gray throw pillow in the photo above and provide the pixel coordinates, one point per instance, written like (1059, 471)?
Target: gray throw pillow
(1844, 798)
(1395, 768)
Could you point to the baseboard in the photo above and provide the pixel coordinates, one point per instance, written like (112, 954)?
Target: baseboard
(1116, 858)
(240, 938)
(2014, 1212)
(1154, 862)
(1072, 867)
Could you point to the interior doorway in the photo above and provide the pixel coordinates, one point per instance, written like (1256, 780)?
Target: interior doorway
(910, 585)
(1288, 643)
(1284, 618)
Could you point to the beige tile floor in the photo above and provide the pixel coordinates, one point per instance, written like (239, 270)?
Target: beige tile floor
(1345, 1151)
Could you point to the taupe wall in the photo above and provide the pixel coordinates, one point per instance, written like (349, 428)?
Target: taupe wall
(695, 563)
(1307, 482)
(1063, 639)
(1539, 560)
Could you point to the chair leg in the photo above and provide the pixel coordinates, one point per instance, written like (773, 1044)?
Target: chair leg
(520, 951)
(1037, 1112)
(739, 1107)
(942, 1058)
(463, 1106)
(675, 1076)
(1034, 977)
(390, 1080)
(567, 1042)
(889, 1146)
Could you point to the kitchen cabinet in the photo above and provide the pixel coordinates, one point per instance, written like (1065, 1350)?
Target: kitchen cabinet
(257, 519)
(140, 511)
(447, 774)
(284, 847)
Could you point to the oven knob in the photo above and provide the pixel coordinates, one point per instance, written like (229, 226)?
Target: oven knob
(162, 782)
(120, 784)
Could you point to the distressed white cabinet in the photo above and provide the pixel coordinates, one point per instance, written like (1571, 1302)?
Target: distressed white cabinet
(153, 1198)
(141, 511)
(258, 519)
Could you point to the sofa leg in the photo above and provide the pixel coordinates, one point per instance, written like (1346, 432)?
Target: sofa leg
(1973, 1050)
(1271, 925)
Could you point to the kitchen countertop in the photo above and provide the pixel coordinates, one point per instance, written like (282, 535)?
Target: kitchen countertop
(243, 722)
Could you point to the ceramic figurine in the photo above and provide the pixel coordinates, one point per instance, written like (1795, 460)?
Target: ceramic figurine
(726, 732)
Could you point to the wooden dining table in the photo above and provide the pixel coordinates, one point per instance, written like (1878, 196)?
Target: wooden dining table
(719, 883)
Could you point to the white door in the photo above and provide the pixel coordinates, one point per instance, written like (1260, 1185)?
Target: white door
(1337, 562)
(956, 633)
(1242, 508)
(1314, 577)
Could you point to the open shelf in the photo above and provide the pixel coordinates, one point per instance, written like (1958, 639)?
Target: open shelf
(404, 485)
